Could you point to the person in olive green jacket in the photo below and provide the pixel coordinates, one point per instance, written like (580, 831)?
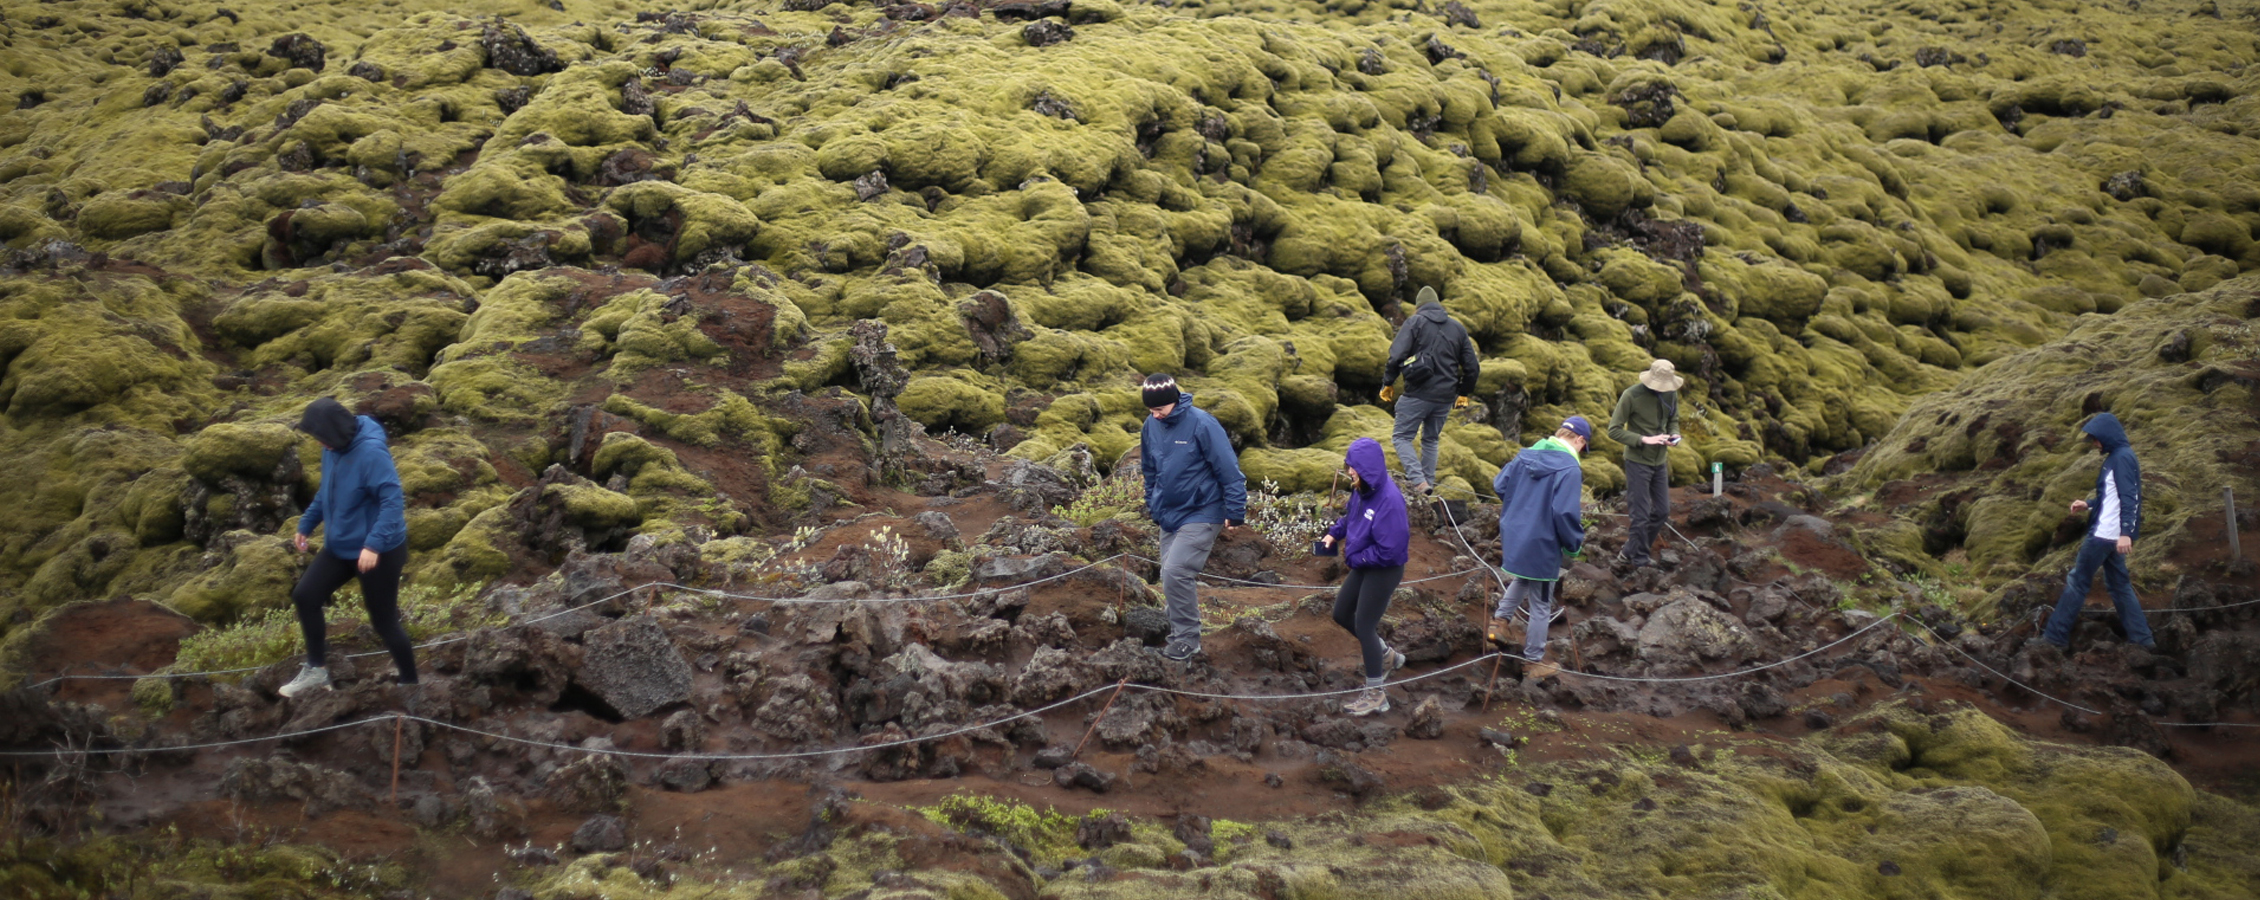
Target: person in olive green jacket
(1646, 422)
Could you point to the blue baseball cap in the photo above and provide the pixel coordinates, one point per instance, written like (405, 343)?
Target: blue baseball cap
(1578, 424)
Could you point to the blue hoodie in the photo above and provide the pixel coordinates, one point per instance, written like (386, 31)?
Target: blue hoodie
(1372, 532)
(2126, 475)
(359, 497)
(1539, 518)
(1192, 475)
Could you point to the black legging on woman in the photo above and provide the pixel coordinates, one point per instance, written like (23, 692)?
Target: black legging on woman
(380, 593)
(1358, 608)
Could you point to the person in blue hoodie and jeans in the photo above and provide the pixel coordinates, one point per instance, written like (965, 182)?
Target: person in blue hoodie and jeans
(1194, 493)
(367, 538)
(2114, 520)
(1372, 536)
(1540, 524)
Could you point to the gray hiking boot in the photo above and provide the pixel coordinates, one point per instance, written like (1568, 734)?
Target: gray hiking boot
(1368, 702)
(1391, 660)
(309, 678)
(1180, 650)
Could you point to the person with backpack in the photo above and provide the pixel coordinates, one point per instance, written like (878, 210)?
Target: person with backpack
(1540, 525)
(360, 503)
(1194, 493)
(1374, 537)
(1646, 422)
(1433, 354)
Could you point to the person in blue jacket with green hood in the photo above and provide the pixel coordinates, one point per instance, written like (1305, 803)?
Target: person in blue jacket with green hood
(2114, 520)
(1194, 493)
(1373, 537)
(360, 503)
(1540, 523)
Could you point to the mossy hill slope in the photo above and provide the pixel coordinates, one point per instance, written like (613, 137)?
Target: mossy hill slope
(1819, 210)
(1989, 468)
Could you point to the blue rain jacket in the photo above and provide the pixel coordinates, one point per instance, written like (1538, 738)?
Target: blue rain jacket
(1192, 475)
(360, 496)
(1539, 518)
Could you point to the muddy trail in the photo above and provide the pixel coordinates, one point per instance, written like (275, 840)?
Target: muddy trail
(917, 649)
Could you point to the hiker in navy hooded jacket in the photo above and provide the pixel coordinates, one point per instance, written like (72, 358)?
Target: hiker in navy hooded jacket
(1194, 492)
(1373, 538)
(1540, 523)
(2114, 520)
(360, 504)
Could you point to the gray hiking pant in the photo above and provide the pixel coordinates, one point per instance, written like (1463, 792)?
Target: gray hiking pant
(1184, 553)
(1539, 597)
(1427, 418)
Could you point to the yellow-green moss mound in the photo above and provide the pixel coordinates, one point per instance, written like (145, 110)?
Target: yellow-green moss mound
(1819, 211)
(1990, 467)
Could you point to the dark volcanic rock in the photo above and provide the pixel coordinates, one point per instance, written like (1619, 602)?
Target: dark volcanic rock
(634, 668)
(509, 49)
(600, 834)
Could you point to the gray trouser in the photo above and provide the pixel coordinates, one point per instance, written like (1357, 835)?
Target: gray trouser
(1539, 596)
(1426, 417)
(1647, 497)
(1183, 554)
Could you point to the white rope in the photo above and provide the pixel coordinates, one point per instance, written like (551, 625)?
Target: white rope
(607, 599)
(206, 746)
(1942, 639)
(1736, 673)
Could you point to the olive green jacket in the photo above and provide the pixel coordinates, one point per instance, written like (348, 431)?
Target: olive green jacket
(1640, 412)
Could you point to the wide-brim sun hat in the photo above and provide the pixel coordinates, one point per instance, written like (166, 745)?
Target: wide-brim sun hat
(1661, 376)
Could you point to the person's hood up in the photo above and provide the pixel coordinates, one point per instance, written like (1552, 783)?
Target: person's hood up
(2105, 427)
(331, 423)
(1184, 402)
(1433, 312)
(371, 434)
(1365, 458)
(1549, 456)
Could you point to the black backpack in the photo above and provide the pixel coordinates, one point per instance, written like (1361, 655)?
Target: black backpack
(1435, 357)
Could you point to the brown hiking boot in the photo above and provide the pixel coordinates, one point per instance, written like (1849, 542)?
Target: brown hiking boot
(1540, 669)
(1500, 633)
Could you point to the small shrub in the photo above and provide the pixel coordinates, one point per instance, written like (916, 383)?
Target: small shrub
(1288, 520)
(271, 637)
(1114, 497)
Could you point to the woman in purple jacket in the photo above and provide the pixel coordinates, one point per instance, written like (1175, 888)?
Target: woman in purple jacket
(1372, 537)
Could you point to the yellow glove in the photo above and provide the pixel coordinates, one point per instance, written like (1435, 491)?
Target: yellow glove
(1388, 392)
(1460, 403)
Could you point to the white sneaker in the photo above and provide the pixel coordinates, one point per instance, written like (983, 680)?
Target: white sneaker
(1368, 702)
(309, 678)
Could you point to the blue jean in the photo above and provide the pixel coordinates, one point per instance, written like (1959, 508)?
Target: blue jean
(2096, 553)
(1427, 418)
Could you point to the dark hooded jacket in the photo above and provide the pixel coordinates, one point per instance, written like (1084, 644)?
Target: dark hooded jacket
(1192, 475)
(1373, 532)
(1431, 332)
(2126, 475)
(1539, 517)
(359, 497)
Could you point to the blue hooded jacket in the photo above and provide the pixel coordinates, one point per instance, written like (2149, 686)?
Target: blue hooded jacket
(359, 497)
(1373, 532)
(1192, 475)
(1539, 518)
(2126, 475)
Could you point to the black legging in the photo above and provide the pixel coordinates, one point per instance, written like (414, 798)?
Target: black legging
(1358, 608)
(380, 593)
